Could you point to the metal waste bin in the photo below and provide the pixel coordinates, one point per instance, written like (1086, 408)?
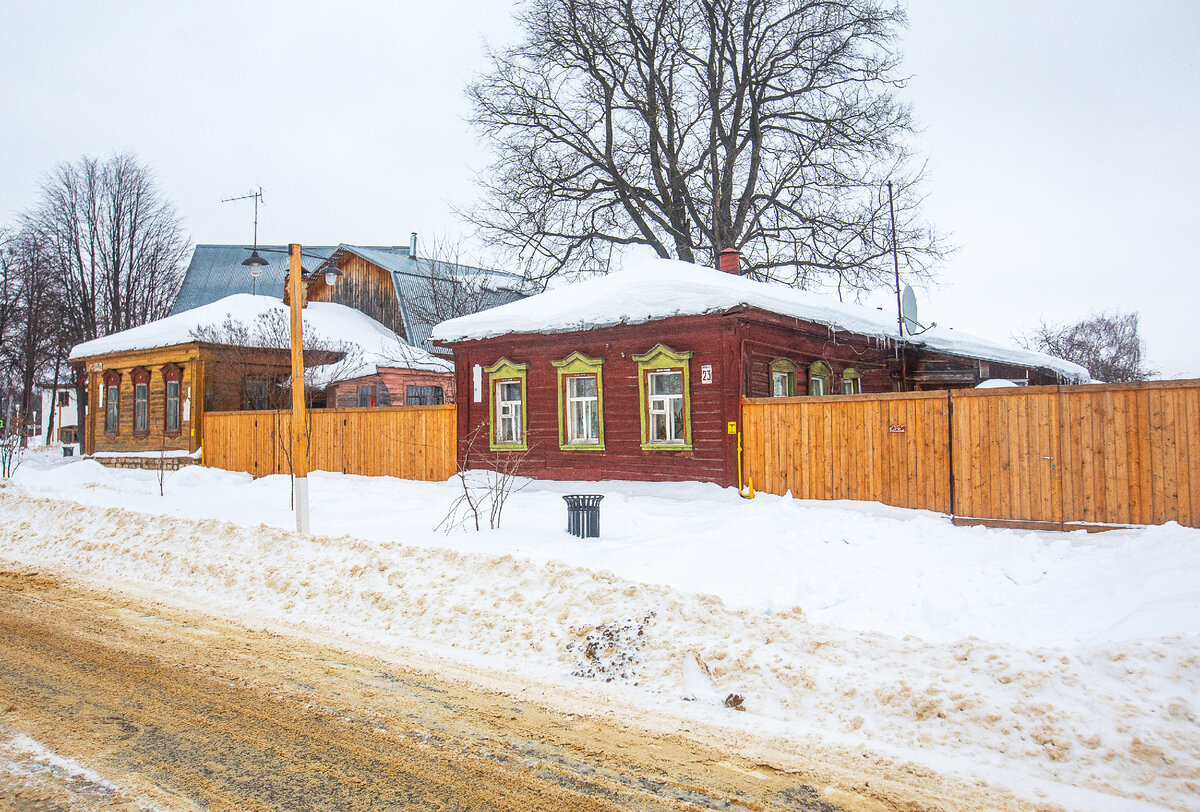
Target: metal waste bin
(583, 515)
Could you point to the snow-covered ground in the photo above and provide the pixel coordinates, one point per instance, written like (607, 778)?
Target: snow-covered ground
(1063, 666)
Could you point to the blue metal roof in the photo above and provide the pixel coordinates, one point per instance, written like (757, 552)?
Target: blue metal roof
(216, 271)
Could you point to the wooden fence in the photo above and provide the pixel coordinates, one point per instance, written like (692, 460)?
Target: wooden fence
(411, 442)
(1049, 456)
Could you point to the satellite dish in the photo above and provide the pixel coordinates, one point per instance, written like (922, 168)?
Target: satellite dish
(908, 311)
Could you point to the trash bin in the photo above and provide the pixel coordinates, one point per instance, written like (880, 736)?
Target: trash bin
(583, 515)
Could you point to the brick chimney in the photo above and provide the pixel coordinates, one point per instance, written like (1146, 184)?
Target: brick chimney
(731, 261)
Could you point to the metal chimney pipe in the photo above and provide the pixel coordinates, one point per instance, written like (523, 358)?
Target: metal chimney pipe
(412, 245)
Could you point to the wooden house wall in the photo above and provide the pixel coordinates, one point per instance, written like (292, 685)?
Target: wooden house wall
(713, 457)
(124, 440)
(393, 387)
(365, 287)
(771, 338)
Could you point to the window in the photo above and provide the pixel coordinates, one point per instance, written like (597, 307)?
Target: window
(507, 415)
(141, 401)
(112, 402)
(64, 398)
(851, 383)
(783, 378)
(820, 378)
(423, 396)
(366, 395)
(255, 396)
(172, 376)
(665, 401)
(68, 435)
(580, 403)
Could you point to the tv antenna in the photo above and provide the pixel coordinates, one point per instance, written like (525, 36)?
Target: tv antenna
(254, 262)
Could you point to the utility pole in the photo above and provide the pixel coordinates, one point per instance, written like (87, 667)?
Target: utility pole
(299, 423)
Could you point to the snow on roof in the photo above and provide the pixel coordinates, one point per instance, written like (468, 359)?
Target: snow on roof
(661, 288)
(378, 346)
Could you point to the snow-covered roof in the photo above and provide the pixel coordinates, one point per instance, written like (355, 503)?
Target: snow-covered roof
(661, 288)
(378, 346)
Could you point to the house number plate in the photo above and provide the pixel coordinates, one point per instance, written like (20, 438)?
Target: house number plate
(896, 429)
(706, 373)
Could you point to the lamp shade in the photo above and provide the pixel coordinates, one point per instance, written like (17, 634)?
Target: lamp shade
(331, 275)
(255, 260)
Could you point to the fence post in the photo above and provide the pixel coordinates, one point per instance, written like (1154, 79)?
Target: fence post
(950, 451)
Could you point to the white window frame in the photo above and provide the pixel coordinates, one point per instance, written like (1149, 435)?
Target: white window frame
(589, 405)
(507, 413)
(816, 385)
(661, 407)
(855, 385)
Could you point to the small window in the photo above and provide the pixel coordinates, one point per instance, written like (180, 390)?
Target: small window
(255, 397)
(508, 415)
(366, 395)
(111, 415)
(68, 435)
(172, 416)
(583, 414)
(172, 375)
(851, 383)
(663, 383)
(141, 403)
(64, 398)
(820, 378)
(783, 378)
(666, 407)
(424, 396)
(508, 412)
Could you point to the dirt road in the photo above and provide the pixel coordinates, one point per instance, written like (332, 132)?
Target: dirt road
(175, 710)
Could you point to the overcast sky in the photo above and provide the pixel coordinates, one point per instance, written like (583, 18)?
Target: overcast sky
(1062, 138)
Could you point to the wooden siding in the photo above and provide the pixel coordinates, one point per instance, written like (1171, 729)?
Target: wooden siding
(1048, 456)
(845, 447)
(414, 442)
(365, 287)
(713, 456)
(393, 387)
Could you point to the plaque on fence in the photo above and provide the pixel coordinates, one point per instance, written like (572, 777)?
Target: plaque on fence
(896, 429)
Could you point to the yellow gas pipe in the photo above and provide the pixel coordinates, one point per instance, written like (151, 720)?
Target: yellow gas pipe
(749, 480)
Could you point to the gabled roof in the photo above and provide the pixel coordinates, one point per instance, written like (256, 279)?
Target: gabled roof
(659, 289)
(378, 346)
(216, 271)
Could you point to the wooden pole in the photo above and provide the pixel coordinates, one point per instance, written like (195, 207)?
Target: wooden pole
(299, 424)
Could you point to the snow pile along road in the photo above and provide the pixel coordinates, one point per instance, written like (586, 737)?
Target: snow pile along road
(1078, 683)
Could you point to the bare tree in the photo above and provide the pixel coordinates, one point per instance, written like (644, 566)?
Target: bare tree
(457, 286)
(28, 322)
(116, 246)
(1106, 344)
(691, 126)
(486, 489)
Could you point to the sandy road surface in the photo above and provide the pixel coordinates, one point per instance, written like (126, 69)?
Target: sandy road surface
(170, 709)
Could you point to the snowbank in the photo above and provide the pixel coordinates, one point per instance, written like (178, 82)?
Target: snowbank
(659, 288)
(1050, 663)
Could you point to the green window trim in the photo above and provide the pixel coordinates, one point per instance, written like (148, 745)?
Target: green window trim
(579, 365)
(505, 371)
(850, 374)
(819, 370)
(784, 367)
(664, 359)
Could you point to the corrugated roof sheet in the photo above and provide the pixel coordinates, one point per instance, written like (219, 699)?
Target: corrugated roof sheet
(216, 271)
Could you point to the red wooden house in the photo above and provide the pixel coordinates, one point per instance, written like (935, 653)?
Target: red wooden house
(640, 374)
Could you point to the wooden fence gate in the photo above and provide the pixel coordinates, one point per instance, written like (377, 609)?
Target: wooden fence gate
(411, 442)
(1050, 456)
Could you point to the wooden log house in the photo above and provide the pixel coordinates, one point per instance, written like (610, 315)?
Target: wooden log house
(149, 388)
(640, 374)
